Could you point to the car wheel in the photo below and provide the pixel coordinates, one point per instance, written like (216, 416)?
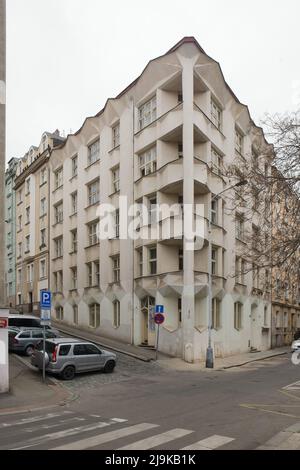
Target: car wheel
(109, 367)
(68, 373)
(29, 350)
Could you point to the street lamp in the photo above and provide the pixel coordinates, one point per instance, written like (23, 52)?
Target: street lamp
(209, 350)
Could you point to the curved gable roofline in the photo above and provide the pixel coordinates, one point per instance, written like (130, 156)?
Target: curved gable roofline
(184, 40)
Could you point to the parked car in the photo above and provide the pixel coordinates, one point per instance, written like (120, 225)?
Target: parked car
(69, 356)
(23, 340)
(26, 321)
(296, 345)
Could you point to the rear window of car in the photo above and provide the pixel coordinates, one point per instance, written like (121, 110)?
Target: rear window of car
(37, 334)
(50, 347)
(25, 334)
(64, 349)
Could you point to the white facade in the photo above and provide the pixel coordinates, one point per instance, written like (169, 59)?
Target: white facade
(191, 117)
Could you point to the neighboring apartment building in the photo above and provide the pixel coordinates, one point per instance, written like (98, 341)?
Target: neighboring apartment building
(3, 302)
(32, 223)
(10, 220)
(163, 140)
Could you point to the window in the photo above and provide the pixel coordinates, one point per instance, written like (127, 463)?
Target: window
(214, 211)
(59, 313)
(19, 222)
(27, 186)
(93, 274)
(180, 150)
(43, 238)
(116, 314)
(216, 114)
(117, 223)
(94, 316)
(238, 310)
(179, 307)
(116, 179)
(9, 214)
(180, 259)
(58, 281)
(239, 227)
(28, 215)
(43, 208)
(27, 244)
(19, 196)
(116, 268)
(19, 299)
(97, 273)
(43, 176)
(147, 113)
(239, 140)
(30, 273)
(43, 269)
(216, 317)
(58, 178)
(74, 166)
(243, 271)
(94, 152)
(74, 203)
(74, 278)
(93, 233)
(140, 261)
(147, 162)
(58, 247)
(75, 314)
(93, 193)
(152, 260)
(20, 250)
(152, 204)
(214, 261)
(266, 316)
(116, 135)
(74, 241)
(59, 213)
(216, 161)
(89, 274)
(64, 349)
(19, 276)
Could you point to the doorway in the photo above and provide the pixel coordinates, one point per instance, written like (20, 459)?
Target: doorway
(147, 323)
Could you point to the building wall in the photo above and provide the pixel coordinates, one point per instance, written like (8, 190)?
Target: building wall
(2, 147)
(188, 123)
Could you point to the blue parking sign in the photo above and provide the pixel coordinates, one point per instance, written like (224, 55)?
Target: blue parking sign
(45, 300)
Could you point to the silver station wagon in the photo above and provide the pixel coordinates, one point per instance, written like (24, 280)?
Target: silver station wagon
(24, 340)
(69, 356)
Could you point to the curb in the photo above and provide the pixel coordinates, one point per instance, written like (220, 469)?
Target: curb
(252, 360)
(112, 348)
(63, 395)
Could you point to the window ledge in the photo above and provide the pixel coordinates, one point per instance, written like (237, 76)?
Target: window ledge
(43, 215)
(90, 246)
(115, 192)
(73, 177)
(72, 215)
(56, 189)
(91, 164)
(57, 257)
(72, 252)
(114, 148)
(43, 184)
(91, 205)
(57, 223)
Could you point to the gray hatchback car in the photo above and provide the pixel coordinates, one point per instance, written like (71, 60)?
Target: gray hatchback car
(24, 340)
(69, 356)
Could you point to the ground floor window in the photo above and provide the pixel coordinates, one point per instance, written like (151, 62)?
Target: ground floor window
(94, 316)
(116, 314)
(75, 315)
(216, 314)
(238, 311)
(59, 312)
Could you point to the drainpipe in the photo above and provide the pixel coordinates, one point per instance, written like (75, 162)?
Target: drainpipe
(133, 196)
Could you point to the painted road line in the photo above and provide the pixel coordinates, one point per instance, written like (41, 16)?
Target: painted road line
(62, 434)
(157, 440)
(34, 419)
(210, 443)
(51, 426)
(293, 386)
(106, 437)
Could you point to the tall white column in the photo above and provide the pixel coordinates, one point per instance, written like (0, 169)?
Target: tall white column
(188, 299)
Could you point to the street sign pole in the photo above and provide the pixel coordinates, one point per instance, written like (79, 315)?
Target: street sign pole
(44, 353)
(157, 339)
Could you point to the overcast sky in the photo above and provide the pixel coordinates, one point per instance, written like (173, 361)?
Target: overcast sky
(66, 57)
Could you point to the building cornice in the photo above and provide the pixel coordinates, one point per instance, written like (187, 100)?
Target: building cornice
(35, 165)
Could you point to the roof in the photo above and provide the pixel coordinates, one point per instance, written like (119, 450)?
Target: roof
(184, 40)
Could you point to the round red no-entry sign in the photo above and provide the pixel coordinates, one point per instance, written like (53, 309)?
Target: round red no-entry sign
(159, 318)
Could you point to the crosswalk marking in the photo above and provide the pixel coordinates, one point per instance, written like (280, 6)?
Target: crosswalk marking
(34, 419)
(51, 426)
(106, 437)
(157, 440)
(293, 386)
(210, 443)
(62, 434)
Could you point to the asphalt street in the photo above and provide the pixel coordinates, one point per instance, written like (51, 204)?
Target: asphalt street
(143, 406)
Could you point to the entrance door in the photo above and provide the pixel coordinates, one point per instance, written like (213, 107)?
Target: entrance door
(254, 327)
(148, 325)
(30, 301)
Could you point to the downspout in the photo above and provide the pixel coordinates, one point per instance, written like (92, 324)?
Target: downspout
(133, 196)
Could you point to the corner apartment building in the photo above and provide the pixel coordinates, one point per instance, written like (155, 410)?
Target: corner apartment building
(2, 146)
(10, 221)
(163, 140)
(32, 222)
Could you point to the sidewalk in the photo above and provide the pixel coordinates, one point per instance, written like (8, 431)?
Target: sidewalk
(147, 355)
(289, 439)
(28, 392)
(142, 354)
(223, 363)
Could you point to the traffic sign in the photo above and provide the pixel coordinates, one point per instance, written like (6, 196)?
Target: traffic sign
(45, 300)
(159, 318)
(159, 309)
(45, 315)
(3, 322)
